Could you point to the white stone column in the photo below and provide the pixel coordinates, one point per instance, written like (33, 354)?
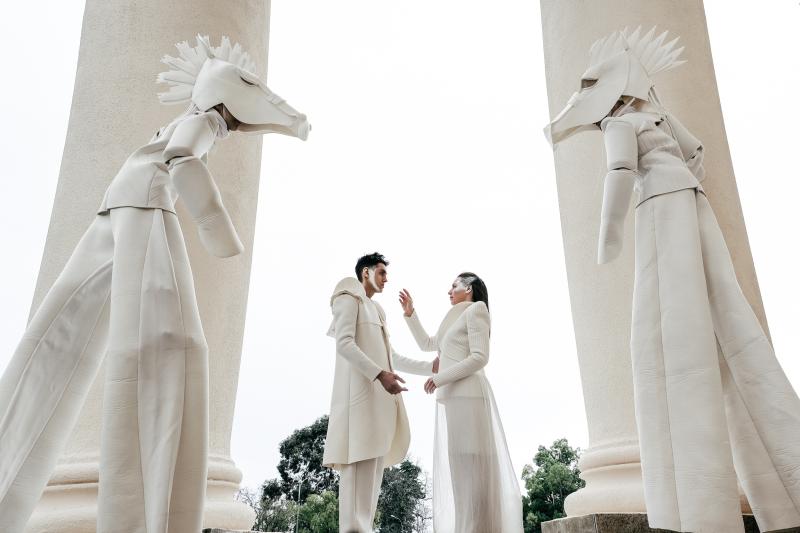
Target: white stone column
(114, 111)
(601, 294)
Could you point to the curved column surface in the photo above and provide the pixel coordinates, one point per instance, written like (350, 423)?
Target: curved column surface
(601, 294)
(114, 111)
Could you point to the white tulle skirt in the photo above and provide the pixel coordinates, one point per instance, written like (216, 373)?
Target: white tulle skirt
(475, 488)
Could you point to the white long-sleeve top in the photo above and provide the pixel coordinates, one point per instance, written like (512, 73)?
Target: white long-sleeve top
(661, 151)
(463, 345)
(144, 181)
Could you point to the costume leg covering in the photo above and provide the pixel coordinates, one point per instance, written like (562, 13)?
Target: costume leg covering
(144, 405)
(763, 408)
(690, 484)
(359, 488)
(191, 469)
(45, 385)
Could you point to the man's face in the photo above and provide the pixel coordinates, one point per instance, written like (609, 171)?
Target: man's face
(377, 276)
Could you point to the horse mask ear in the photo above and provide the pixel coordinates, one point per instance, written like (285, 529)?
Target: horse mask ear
(622, 63)
(208, 76)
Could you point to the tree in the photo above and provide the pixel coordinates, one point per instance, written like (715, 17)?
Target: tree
(320, 513)
(423, 515)
(403, 504)
(301, 462)
(554, 477)
(273, 511)
(402, 491)
(300, 466)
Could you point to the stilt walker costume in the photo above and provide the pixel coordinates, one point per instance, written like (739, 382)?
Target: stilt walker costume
(127, 291)
(712, 402)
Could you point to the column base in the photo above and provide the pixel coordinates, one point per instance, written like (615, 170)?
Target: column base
(613, 475)
(69, 502)
(627, 523)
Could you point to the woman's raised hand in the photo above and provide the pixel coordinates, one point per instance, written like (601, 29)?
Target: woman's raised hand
(406, 302)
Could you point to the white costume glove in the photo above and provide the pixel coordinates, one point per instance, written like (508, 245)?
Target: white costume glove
(190, 141)
(622, 158)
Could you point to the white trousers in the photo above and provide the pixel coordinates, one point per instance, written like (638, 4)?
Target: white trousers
(712, 402)
(127, 290)
(359, 487)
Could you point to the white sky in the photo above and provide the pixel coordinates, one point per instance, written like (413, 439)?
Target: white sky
(427, 146)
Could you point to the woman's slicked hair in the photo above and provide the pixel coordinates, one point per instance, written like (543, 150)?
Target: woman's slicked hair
(479, 291)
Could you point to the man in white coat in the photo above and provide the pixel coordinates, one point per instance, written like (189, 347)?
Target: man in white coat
(368, 428)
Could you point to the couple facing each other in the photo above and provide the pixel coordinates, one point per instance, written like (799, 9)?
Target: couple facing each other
(475, 488)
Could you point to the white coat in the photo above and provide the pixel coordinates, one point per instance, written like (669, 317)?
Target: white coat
(365, 421)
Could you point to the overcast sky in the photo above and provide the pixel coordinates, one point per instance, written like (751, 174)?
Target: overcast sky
(427, 147)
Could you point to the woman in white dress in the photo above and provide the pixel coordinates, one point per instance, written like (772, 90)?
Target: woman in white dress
(475, 488)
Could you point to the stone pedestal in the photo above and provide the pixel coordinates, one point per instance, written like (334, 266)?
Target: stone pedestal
(625, 523)
(216, 530)
(600, 295)
(114, 111)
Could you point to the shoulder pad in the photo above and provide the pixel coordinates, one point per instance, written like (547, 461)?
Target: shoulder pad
(478, 308)
(622, 148)
(193, 136)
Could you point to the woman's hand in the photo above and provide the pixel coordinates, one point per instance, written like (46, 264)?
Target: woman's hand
(430, 386)
(406, 302)
(435, 368)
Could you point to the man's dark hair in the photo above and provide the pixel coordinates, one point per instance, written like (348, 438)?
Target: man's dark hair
(369, 261)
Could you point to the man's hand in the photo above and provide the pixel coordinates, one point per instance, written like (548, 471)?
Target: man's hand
(391, 382)
(406, 302)
(435, 368)
(430, 386)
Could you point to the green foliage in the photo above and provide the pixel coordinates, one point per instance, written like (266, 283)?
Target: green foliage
(301, 458)
(320, 513)
(273, 511)
(402, 494)
(554, 477)
(276, 515)
(402, 504)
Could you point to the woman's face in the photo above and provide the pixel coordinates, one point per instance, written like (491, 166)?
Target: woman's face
(459, 292)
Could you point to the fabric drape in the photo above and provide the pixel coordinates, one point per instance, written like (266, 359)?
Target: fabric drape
(126, 294)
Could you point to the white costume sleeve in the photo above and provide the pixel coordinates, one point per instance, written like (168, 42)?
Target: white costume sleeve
(622, 155)
(478, 324)
(691, 147)
(411, 366)
(191, 140)
(345, 314)
(425, 342)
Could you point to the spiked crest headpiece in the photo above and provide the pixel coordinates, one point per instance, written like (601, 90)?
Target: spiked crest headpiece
(208, 76)
(621, 64)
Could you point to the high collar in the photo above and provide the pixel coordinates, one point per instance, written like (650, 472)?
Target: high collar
(350, 286)
(452, 315)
